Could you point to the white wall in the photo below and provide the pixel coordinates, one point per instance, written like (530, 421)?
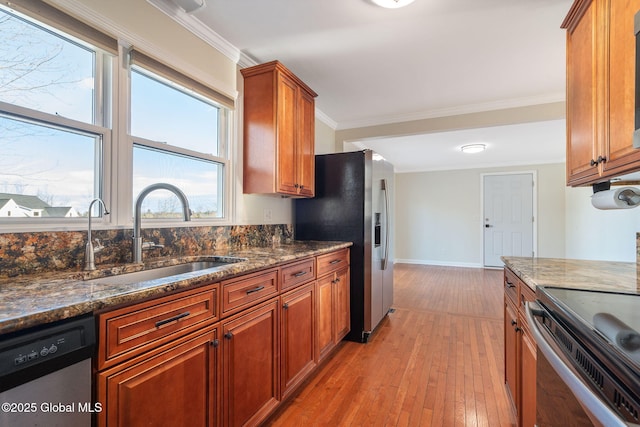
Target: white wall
(595, 234)
(439, 218)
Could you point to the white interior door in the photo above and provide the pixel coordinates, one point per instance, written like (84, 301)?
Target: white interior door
(508, 217)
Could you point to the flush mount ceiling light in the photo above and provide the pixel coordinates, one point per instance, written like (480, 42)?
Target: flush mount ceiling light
(392, 4)
(473, 148)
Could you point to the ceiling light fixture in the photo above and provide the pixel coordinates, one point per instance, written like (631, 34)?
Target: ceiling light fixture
(190, 6)
(473, 148)
(392, 4)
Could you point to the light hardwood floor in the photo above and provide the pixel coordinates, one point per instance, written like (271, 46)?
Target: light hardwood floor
(436, 361)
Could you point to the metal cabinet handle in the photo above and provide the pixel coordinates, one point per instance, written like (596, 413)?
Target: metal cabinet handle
(513, 322)
(285, 305)
(256, 289)
(215, 343)
(228, 335)
(300, 273)
(335, 261)
(171, 319)
(510, 285)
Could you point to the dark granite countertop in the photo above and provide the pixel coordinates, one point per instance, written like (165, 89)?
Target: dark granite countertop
(576, 274)
(27, 301)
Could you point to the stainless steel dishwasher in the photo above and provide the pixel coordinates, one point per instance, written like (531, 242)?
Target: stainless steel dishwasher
(45, 375)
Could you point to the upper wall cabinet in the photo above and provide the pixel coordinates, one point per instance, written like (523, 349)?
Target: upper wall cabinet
(600, 90)
(279, 132)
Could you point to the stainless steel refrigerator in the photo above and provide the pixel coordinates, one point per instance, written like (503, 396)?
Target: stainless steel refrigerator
(354, 202)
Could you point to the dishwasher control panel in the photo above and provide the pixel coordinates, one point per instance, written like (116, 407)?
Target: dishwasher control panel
(46, 344)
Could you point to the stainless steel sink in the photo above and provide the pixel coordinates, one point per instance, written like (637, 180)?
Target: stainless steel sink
(165, 272)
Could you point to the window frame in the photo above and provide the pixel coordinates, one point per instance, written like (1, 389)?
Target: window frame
(112, 102)
(223, 138)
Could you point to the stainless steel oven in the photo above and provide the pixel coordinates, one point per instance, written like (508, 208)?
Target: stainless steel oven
(588, 361)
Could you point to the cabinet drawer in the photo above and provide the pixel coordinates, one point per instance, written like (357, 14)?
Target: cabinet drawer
(248, 289)
(297, 273)
(332, 261)
(511, 286)
(132, 330)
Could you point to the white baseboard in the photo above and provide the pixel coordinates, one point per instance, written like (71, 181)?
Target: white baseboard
(440, 263)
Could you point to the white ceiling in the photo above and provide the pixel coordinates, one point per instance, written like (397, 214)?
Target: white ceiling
(433, 58)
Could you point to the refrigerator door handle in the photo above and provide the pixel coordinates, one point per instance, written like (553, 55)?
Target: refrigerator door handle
(385, 259)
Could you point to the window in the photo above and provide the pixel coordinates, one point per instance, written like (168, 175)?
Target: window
(52, 118)
(178, 139)
(58, 81)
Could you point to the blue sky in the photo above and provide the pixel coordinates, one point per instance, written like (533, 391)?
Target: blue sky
(41, 73)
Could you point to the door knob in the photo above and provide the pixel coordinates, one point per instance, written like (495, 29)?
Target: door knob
(488, 225)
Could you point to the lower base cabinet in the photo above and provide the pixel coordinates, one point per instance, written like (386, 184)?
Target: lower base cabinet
(520, 350)
(175, 362)
(298, 348)
(334, 320)
(176, 385)
(250, 369)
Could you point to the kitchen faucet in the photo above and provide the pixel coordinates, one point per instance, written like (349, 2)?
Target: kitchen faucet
(90, 252)
(137, 220)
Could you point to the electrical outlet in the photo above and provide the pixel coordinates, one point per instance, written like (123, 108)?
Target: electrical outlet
(268, 216)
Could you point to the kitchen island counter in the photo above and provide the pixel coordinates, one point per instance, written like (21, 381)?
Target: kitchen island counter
(576, 274)
(32, 300)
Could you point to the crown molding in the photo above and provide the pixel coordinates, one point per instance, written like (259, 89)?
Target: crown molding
(326, 119)
(127, 38)
(193, 24)
(454, 111)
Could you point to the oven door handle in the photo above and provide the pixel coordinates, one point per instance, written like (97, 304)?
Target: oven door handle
(597, 409)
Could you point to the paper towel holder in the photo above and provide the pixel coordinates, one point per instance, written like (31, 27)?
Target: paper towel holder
(628, 195)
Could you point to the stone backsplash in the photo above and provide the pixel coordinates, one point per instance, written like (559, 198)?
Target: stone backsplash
(39, 252)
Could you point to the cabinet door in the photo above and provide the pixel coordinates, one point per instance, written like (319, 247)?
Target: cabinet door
(510, 350)
(342, 308)
(527, 380)
(297, 338)
(325, 303)
(250, 370)
(286, 135)
(306, 145)
(136, 393)
(621, 97)
(582, 130)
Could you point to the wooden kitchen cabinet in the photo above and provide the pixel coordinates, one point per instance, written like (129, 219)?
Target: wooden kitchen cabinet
(297, 336)
(175, 384)
(325, 334)
(135, 329)
(334, 312)
(511, 350)
(279, 132)
(342, 304)
(250, 368)
(600, 90)
(520, 350)
(227, 353)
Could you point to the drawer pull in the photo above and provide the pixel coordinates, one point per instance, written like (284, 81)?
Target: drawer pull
(510, 285)
(228, 335)
(300, 274)
(256, 289)
(172, 319)
(335, 261)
